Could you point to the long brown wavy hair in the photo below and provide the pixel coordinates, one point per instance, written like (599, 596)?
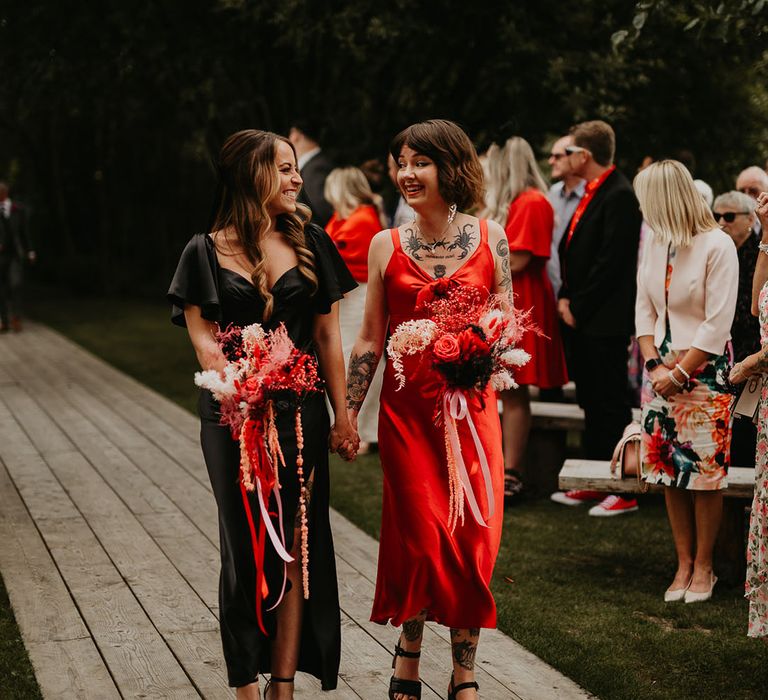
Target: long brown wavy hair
(248, 180)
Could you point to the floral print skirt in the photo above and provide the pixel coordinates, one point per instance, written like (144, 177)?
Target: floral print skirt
(686, 439)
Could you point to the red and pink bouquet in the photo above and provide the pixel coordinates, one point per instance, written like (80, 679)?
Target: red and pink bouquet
(265, 367)
(470, 339)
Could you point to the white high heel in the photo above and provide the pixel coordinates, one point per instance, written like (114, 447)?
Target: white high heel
(677, 595)
(700, 597)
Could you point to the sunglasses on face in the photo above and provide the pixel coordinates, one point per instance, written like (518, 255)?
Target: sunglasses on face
(556, 156)
(729, 217)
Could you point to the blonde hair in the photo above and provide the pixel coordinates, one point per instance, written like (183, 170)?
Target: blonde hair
(511, 170)
(347, 188)
(248, 182)
(671, 204)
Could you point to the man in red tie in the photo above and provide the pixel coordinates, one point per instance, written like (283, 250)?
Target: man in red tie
(598, 258)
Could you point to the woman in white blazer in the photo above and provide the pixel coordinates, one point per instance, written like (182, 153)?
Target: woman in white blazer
(686, 298)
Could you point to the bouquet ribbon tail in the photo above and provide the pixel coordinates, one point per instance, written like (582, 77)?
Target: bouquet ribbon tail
(257, 543)
(455, 405)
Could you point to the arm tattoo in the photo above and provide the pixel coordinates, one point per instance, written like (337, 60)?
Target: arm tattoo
(502, 250)
(761, 365)
(361, 369)
(464, 239)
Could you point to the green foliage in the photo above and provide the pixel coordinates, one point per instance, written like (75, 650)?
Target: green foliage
(18, 678)
(111, 113)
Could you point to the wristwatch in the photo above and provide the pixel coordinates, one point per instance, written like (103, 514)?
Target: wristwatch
(653, 363)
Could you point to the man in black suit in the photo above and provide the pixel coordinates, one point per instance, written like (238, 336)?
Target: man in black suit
(598, 257)
(314, 167)
(15, 249)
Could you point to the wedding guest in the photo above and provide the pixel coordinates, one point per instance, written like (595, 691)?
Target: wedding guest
(705, 191)
(516, 199)
(314, 166)
(427, 571)
(358, 216)
(686, 297)
(15, 251)
(598, 259)
(752, 181)
(756, 588)
(262, 262)
(735, 214)
(564, 196)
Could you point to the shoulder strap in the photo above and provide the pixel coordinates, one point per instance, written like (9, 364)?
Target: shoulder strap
(395, 234)
(483, 230)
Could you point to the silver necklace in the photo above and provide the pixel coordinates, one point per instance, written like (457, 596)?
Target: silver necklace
(438, 239)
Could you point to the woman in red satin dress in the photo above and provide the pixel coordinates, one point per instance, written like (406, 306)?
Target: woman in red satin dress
(427, 572)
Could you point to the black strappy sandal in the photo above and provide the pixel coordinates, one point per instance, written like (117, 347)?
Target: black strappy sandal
(454, 690)
(401, 686)
(275, 679)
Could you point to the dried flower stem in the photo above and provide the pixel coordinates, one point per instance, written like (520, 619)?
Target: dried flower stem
(302, 505)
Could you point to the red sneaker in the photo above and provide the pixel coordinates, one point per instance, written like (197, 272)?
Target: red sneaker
(576, 497)
(614, 505)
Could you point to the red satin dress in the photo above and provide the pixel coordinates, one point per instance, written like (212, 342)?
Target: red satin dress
(422, 564)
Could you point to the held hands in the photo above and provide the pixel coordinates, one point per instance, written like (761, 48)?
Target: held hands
(564, 311)
(344, 439)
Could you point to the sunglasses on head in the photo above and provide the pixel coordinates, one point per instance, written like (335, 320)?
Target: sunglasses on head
(570, 150)
(729, 217)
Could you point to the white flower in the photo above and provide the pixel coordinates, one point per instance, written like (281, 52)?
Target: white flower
(409, 338)
(212, 380)
(502, 380)
(253, 335)
(515, 357)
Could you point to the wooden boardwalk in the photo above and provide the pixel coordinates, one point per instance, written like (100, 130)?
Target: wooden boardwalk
(109, 548)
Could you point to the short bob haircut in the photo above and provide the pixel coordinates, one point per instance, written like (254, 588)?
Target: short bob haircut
(460, 175)
(737, 201)
(671, 204)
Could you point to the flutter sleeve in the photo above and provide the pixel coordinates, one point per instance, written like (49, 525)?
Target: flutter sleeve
(333, 276)
(529, 224)
(194, 282)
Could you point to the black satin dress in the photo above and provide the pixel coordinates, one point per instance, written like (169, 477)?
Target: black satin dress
(228, 298)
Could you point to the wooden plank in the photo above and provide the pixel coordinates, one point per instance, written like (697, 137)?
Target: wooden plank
(499, 657)
(66, 661)
(71, 670)
(595, 475)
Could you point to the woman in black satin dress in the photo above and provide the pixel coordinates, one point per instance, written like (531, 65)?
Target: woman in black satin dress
(264, 263)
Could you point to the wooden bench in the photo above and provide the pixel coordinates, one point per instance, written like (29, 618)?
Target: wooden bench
(730, 549)
(547, 444)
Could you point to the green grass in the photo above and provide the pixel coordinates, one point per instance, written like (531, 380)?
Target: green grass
(584, 594)
(17, 679)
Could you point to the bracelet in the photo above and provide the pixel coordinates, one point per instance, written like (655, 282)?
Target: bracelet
(673, 379)
(763, 247)
(682, 371)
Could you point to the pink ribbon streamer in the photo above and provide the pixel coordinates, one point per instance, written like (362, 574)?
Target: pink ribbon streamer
(456, 408)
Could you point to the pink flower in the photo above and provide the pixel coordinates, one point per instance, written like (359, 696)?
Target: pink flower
(446, 348)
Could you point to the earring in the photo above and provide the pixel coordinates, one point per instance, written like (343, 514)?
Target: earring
(452, 213)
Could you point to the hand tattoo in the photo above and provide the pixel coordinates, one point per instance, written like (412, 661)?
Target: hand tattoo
(361, 370)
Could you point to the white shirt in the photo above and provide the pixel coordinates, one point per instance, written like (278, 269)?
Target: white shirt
(403, 213)
(309, 155)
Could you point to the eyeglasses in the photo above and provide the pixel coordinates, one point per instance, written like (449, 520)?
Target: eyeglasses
(570, 150)
(729, 217)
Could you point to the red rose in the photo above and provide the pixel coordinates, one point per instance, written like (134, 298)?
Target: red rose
(446, 348)
(471, 344)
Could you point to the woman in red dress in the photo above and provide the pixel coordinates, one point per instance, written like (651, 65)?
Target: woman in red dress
(427, 572)
(516, 198)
